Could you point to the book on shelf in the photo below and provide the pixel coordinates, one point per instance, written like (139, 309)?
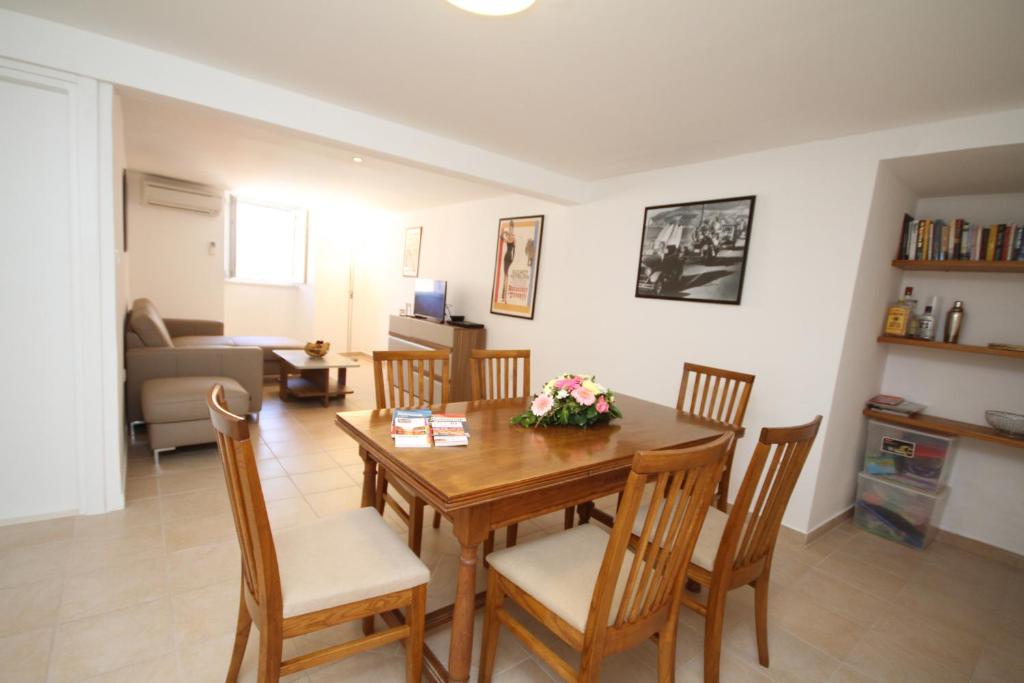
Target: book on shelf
(411, 428)
(449, 429)
(959, 240)
(902, 407)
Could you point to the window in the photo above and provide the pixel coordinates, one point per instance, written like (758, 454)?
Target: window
(267, 243)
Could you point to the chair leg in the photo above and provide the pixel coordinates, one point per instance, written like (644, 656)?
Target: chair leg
(414, 645)
(271, 643)
(241, 637)
(416, 525)
(713, 633)
(511, 535)
(761, 617)
(437, 519)
(667, 654)
(489, 646)
(570, 513)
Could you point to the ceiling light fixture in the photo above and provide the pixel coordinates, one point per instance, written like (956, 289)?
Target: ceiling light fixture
(492, 8)
(357, 160)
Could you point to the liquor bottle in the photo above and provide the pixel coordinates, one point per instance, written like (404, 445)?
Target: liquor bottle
(897, 318)
(911, 303)
(926, 323)
(954, 319)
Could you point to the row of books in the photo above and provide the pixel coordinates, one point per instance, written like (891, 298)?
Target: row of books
(421, 429)
(937, 240)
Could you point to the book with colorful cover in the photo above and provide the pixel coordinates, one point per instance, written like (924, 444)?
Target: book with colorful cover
(449, 429)
(411, 428)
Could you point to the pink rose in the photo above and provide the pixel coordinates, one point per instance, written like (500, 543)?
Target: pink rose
(541, 405)
(602, 405)
(584, 397)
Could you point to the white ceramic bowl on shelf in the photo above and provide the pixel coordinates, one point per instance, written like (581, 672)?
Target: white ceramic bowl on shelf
(1010, 424)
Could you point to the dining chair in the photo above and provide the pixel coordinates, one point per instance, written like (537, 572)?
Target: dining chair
(720, 395)
(601, 593)
(408, 379)
(709, 393)
(497, 374)
(313, 576)
(736, 549)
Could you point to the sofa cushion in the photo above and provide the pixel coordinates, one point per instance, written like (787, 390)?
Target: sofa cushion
(146, 322)
(268, 344)
(179, 399)
(343, 559)
(205, 340)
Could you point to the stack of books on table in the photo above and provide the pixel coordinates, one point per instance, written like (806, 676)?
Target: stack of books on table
(894, 405)
(420, 428)
(449, 430)
(411, 428)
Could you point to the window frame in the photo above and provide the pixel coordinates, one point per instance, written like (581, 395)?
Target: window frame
(301, 216)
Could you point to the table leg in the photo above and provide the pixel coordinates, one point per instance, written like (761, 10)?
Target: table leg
(369, 479)
(342, 382)
(461, 650)
(282, 389)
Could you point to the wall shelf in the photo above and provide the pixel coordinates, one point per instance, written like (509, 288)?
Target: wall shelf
(961, 348)
(961, 266)
(941, 425)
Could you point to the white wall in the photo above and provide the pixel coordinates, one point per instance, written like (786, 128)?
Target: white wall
(985, 501)
(170, 254)
(812, 298)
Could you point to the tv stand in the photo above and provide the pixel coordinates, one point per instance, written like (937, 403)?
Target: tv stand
(406, 333)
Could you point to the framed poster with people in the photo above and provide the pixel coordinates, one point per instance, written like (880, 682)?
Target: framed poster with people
(516, 263)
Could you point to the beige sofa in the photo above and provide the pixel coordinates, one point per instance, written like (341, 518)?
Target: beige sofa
(158, 347)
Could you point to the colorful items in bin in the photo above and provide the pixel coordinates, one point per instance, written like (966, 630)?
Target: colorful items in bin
(914, 458)
(898, 513)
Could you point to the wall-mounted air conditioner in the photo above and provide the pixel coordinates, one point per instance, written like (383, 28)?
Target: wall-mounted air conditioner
(179, 194)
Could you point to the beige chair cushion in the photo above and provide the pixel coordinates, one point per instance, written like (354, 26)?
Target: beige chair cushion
(707, 543)
(560, 571)
(147, 323)
(343, 559)
(179, 399)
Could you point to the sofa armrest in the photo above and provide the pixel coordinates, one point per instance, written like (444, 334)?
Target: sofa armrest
(186, 327)
(241, 363)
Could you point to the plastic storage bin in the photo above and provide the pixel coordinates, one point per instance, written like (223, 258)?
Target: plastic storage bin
(919, 459)
(899, 513)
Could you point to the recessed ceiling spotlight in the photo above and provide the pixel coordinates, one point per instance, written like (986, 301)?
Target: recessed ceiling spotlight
(492, 8)
(357, 160)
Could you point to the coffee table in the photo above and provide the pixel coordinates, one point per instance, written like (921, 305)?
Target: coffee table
(314, 375)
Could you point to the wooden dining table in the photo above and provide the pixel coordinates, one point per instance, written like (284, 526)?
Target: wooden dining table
(509, 474)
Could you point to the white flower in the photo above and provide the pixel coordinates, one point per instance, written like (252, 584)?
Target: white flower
(562, 393)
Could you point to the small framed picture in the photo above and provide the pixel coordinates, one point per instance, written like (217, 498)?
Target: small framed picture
(695, 251)
(516, 262)
(411, 254)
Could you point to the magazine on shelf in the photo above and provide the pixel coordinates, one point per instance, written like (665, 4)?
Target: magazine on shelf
(449, 430)
(411, 428)
(904, 407)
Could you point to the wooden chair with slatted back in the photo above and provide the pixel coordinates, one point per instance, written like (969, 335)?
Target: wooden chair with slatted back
(719, 395)
(314, 576)
(497, 374)
(736, 549)
(603, 594)
(408, 379)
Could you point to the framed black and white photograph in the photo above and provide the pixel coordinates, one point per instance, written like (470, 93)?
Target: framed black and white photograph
(695, 251)
(411, 252)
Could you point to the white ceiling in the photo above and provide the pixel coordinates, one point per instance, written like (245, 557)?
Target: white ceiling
(593, 88)
(181, 140)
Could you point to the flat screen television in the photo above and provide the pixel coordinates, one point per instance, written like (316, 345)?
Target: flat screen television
(428, 299)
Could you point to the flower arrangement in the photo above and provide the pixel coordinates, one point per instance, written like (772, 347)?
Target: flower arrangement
(574, 400)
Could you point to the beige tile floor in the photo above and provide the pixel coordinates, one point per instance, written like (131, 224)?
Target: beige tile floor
(149, 594)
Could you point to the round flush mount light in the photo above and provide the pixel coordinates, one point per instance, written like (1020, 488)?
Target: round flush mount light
(357, 160)
(492, 8)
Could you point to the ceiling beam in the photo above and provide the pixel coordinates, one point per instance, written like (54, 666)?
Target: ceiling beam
(58, 46)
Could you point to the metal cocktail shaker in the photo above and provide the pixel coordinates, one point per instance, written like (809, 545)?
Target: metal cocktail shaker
(954, 319)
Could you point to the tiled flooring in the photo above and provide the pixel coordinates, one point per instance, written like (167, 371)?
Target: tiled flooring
(149, 594)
